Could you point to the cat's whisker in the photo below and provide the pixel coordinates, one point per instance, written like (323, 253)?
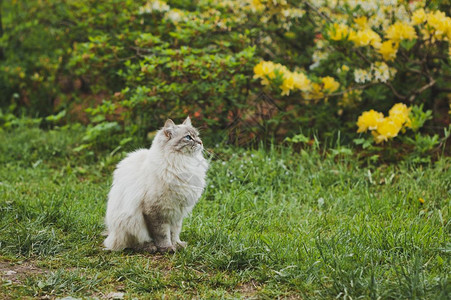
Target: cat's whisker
(210, 154)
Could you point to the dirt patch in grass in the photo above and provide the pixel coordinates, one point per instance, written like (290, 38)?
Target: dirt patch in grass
(15, 273)
(248, 289)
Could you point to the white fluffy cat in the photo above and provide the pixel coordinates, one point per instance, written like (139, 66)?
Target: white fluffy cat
(154, 189)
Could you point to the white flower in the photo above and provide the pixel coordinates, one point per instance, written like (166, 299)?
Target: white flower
(381, 71)
(361, 76)
(318, 3)
(293, 12)
(369, 6)
(266, 40)
(352, 3)
(317, 57)
(174, 16)
(414, 5)
(401, 14)
(390, 2)
(379, 20)
(155, 5)
(160, 6)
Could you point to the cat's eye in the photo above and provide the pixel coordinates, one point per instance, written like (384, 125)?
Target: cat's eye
(188, 137)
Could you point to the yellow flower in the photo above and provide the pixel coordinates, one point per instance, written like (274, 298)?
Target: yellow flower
(287, 84)
(344, 68)
(267, 70)
(388, 50)
(362, 38)
(315, 92)
(369, 120)
(256, 5)
(418, 17)
(301, 82)
(338, 32)
(268, 67)
(264, 70)
(362, 22)
(399, 109)
(365, 37)
(400, 31)
(330, 85)
(399, 114)
(440, 24)
(421, 200)
(258, 70)
(352, 35)
(281, 68)
(386, 129)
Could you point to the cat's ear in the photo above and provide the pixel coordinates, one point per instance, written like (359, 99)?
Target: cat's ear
(187, 121)
(168, 128)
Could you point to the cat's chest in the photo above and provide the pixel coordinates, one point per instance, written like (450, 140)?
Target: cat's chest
(183, 183)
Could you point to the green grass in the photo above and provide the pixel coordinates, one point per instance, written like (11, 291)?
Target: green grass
(272, 223)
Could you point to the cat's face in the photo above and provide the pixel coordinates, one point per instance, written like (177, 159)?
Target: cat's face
(183, 138)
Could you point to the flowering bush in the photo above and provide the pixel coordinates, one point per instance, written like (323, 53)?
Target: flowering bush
(124, 66)
(408, 44)
(367, 53)
(384, 128)
(294, 81)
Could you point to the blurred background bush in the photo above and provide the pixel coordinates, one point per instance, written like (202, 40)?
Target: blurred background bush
(246, 71)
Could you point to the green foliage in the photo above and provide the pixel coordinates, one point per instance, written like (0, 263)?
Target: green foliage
(411, 145)
(129, 63)
(423, 144)
(419, 117)
(298, 138)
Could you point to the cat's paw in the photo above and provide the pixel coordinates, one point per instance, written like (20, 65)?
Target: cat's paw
(148, 247)
(170, 249)
(181, 244)
(151, 248)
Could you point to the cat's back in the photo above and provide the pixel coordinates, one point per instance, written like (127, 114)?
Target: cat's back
(133, 165)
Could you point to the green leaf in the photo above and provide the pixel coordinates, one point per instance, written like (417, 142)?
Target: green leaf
(299, 138)
(57, 117)
(408, 44)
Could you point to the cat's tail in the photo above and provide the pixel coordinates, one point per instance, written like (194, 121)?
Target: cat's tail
(116, 241)
(125, 232)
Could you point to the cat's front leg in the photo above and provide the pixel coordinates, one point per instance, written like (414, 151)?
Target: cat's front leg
(161, 234)
(175, 235)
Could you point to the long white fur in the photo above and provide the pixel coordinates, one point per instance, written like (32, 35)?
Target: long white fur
(155, 174)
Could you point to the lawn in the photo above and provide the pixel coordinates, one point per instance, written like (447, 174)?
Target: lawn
(271, 223)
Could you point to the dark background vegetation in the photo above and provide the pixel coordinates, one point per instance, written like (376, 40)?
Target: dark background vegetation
(122, 72)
